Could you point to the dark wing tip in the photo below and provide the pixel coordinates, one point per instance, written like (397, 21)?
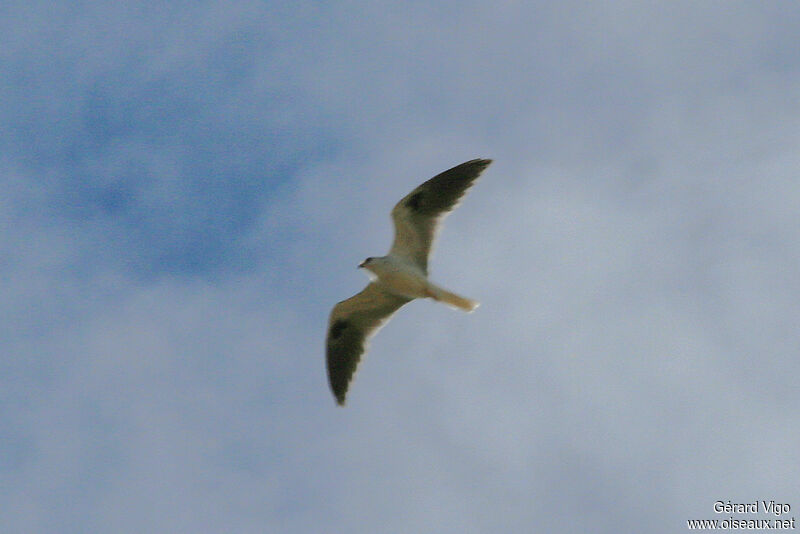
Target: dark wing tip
(344, 348)
(477, 165)
(339, 384)
(464, 173)
(441, 193)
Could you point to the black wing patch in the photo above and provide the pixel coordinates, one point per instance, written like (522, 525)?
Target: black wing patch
(414, 200)
(337, 328)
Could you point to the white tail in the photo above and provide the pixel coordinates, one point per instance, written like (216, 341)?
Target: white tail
(451, 299)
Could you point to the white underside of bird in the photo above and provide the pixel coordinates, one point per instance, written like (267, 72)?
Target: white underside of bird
(400, 277)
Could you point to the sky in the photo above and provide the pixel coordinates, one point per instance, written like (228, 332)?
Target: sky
(186, 189)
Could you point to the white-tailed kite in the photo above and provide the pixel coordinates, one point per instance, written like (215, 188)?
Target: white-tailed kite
(399, 277)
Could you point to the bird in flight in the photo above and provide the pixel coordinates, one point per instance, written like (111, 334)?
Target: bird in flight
(399, 277)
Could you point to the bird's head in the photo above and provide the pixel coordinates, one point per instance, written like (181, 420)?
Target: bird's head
(365, 263)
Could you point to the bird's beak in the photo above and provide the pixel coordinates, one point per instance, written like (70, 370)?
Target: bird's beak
(361, 265)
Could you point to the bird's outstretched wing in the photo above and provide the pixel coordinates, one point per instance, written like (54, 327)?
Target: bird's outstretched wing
(419, 214)
(352, 323)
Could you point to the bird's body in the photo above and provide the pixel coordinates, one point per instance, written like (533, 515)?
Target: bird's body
(400, 276)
